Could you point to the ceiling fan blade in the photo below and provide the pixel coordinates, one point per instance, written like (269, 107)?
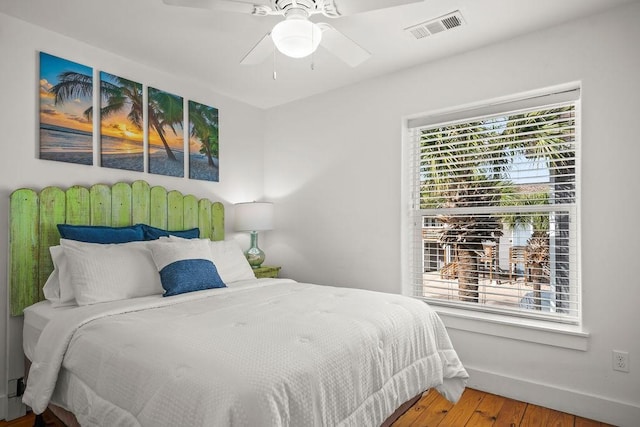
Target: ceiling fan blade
(259, 52)
(225, 5)
(350, 7)
(342, 46)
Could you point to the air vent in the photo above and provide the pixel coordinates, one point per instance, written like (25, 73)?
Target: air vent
(438, 25)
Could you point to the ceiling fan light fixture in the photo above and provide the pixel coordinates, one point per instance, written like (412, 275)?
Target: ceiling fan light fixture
(296, 36)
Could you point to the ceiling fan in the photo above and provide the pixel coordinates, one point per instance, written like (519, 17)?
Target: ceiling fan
(297, 36)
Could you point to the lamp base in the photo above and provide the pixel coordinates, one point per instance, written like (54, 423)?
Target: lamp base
(255, 257)
(254, 254)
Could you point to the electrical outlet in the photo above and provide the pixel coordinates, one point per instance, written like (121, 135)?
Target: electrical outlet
(620, 361)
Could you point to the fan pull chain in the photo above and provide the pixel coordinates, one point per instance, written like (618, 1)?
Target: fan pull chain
(275, 75)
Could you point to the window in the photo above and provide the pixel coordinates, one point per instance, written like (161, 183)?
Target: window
(493, 207)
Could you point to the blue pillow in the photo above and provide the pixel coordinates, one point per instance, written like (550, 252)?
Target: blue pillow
(190, 275)
(153, 233)
(101, 234)
(185, 266)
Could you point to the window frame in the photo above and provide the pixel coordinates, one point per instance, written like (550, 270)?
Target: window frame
(411, 257)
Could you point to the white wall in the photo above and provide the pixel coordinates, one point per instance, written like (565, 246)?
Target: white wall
(334, 170)
(333, 165)
(241, 132)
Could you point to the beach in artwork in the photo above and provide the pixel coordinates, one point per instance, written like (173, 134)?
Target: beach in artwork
(161, 164)
(199, 168)
(165, 166)
(65, 145)
(198, 165)
(121, 153)
(72, 146)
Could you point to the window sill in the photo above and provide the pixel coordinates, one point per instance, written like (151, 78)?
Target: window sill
(541, 332)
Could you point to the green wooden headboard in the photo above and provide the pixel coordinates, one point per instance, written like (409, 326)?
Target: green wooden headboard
(33, 218)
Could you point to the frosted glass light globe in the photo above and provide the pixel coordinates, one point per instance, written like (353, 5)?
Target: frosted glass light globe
(296, 37)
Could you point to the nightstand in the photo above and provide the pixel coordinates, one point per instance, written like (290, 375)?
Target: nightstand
(266, 271)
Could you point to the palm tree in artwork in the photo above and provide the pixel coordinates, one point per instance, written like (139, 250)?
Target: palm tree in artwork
(204, 128)
(120, 95)
(165, 110)
(73, 85)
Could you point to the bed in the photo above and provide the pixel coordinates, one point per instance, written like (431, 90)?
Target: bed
(238, 351)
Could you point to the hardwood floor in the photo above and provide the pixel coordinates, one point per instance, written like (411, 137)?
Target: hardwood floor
(475, 409)
(27, 421)
(479, 409)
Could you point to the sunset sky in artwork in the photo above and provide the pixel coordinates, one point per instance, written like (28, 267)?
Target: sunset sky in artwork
(119, 126)
(69, 114)
(174, 141)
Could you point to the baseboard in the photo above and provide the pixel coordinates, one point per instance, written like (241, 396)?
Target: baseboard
(11, 407)
(570, 401)
(3, 406)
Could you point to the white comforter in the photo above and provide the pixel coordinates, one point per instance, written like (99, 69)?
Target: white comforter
(270, 352)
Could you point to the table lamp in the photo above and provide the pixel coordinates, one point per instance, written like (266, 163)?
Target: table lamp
(254, 217)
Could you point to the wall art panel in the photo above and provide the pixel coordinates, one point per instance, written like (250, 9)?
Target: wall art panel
(204, 161)
(121, 130)
(66, 124)
(166, 128)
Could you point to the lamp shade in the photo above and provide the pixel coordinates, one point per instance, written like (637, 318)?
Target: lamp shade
(296, 37)
(253, 216)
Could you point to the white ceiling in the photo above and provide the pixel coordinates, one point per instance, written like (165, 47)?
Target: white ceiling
(208, 45)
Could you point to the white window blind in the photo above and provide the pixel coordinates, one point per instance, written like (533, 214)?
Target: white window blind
(494, 197)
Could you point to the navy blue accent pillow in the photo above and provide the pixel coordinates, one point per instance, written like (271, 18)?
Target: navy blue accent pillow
(190, 275)
(101, 234)
(153, 233)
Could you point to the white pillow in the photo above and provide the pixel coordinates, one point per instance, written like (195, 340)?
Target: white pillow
(166, 251)
(108, 272)
(59, 291)
(230, 260)
(228, 257)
